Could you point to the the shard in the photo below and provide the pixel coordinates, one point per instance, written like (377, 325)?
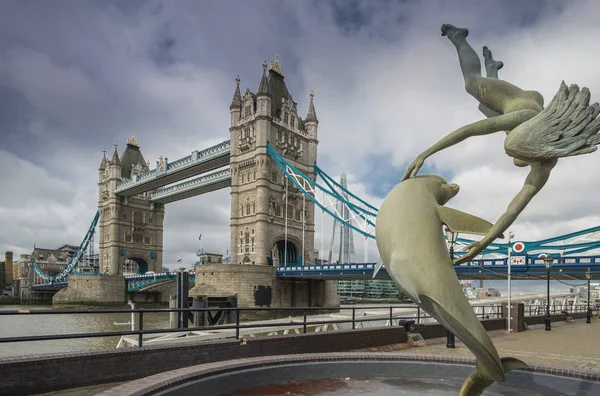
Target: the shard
(341, 247)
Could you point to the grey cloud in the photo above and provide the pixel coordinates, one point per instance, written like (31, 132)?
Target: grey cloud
(78, 76)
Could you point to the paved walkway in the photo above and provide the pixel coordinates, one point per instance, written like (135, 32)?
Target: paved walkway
(566, 345)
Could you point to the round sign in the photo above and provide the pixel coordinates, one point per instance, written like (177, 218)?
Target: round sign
(543, 255)
(518, 247)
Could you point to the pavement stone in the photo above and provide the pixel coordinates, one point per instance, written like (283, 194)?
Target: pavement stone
(566, 345)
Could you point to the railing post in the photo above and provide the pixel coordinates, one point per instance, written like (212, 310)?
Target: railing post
(237, 323)
(449, 339)
(353, 318)
(304, 322)
(391, 316)
(141, 328)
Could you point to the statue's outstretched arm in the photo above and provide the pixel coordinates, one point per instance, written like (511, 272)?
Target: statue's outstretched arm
(536, 179)
(505, 122)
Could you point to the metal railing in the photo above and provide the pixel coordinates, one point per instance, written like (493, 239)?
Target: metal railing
(419, 318)
(540, 309)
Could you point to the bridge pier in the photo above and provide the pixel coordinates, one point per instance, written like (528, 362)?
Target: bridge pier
(88, 289)
(258, 286)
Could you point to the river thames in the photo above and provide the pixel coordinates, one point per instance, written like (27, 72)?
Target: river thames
(29, 325)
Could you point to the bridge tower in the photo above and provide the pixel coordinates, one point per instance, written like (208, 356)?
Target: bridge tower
(130, 229)
(271, 224)
(258, 186)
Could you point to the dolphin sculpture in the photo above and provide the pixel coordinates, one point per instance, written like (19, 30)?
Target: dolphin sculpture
(412, 248)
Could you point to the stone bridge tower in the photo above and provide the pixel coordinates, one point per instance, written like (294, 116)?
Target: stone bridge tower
(259, 241)
(258, 186)
(130, 229)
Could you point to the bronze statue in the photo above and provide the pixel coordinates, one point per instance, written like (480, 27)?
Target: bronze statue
(536, 137)
(412, 249)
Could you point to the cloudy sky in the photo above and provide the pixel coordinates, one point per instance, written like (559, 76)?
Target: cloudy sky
(77, 76)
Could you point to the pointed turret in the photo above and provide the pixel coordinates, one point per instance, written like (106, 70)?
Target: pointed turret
(103, 162)
(263, 87)
(236, 102)
(263, 96)
(115, 158)
(311, 125)
(311, 115)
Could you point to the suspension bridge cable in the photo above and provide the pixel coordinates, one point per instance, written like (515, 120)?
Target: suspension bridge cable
(286, 222)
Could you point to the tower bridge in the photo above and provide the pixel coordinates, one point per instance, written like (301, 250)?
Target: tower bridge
(269, 163)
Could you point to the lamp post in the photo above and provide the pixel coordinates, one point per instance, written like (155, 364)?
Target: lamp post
(511, 235)
(588, 317)
(452, 240)
(548, 262)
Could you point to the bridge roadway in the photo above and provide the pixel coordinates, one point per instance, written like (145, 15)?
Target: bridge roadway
(564, 268)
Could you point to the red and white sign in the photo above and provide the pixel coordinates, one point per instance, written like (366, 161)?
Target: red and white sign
(518, 247)
(543, 255)
(517, 260)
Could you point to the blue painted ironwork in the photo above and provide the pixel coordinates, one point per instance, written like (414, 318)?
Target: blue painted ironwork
(197, 157)
(308, 187)
(202, 181)
(73, 261)
(137, 282)
(574, 265)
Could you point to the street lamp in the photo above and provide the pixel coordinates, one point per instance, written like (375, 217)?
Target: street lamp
(548, 262)
(588, 317)
(511, 235)
(451, 240)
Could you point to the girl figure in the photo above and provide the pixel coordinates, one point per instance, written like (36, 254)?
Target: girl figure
(536, 137)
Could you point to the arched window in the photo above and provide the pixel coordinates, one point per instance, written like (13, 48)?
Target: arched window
(293, 122)
(285, 117)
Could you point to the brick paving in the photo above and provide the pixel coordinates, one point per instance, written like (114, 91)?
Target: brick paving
(566, 345)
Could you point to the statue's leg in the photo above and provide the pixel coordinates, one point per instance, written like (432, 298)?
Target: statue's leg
(491, 66)
(470, 64)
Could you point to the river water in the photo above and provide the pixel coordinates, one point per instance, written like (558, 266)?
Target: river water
(29, 325)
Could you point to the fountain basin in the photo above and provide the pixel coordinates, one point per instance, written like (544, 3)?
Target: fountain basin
(378, 374)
